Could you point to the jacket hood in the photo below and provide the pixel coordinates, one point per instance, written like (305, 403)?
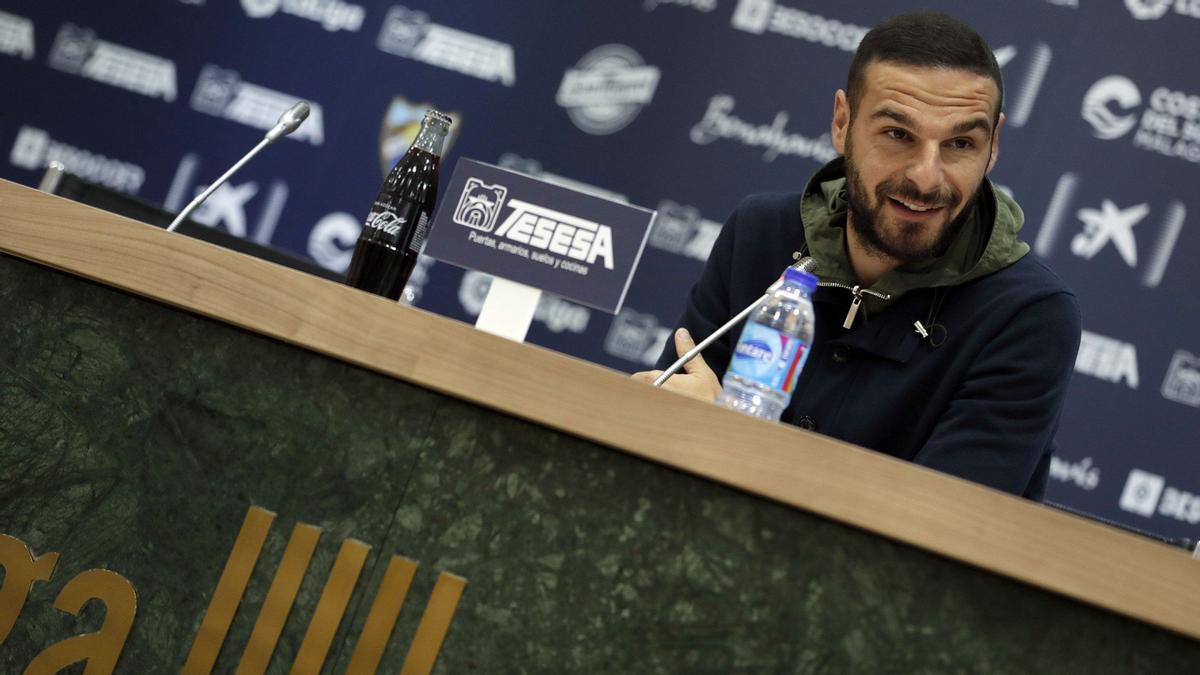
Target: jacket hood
(987, 243)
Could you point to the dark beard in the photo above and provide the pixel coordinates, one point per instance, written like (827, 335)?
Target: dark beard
(905, 249)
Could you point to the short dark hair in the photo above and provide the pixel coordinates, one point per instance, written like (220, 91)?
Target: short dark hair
(924, 39)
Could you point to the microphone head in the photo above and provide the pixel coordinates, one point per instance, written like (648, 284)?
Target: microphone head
(289, 121)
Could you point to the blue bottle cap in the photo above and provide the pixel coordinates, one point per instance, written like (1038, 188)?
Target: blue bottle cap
(795, 276)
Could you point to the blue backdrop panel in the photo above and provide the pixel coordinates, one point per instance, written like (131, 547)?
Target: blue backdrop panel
(712, 100)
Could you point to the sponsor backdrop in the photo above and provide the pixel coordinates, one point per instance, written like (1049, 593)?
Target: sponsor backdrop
(683, 106)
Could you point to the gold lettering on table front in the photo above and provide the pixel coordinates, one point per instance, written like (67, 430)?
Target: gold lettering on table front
(331, 607)
(230, 588)
(21, 570)
(102, 648)
(280, 598)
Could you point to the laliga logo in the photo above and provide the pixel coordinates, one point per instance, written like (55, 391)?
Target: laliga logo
(1112, 89)
(1145, 10)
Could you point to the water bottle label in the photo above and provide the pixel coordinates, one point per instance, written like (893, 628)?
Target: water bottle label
(769, 357)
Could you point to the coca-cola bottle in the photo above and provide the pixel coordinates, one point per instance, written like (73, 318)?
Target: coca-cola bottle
(395, 230)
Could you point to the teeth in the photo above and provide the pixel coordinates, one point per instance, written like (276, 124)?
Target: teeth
(912, 206)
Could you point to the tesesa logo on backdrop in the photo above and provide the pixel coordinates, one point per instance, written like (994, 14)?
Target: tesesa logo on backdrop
(698, 5)
(761, 16)
(412, 35)
(1182, 383)
(34, 149)
(637, 337)
(1170, 125)
(16, 36)
(607, 89)
(719, 123)
(401, 123)
(1146, 493)
(78, 51)
(683, 231)
(1107, 359)
(333, 15)
(222, 93)
(1147, 10)
(1113, 224)
(538, 227)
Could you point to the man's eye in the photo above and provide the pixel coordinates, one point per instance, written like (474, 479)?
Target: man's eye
(962, 144)
(897, 134)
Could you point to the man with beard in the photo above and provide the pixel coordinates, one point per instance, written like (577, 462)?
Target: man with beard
(938, 340)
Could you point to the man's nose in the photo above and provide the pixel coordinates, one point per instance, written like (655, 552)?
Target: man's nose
(926, 170)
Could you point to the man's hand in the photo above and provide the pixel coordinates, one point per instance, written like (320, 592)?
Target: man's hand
(697, 380)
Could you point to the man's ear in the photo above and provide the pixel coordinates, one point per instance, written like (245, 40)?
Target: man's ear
(841, 121)
(995, 144)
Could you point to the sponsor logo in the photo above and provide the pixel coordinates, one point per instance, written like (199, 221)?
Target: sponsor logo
(1168, 124)
(331, 241)
(1023, 89)
(637, 337)
(16, 36)
(401, 123)
(1149, 10)
(230, 205)
(1182, 383)
(78, 51)
(1082, 473)
(533, 169)
(222, 93)
(412, 35)
(1110, 223)
(386, 222)
(683, 231)
(1114, 90)
(34, 149)
(767, 16)
(333, 15)
(479, 206)
(1142, 492)
(719, 123)
(1146, 493)
(607, 89)
(549, 231)
(556, 314)
(1107, 359)
(699, 5)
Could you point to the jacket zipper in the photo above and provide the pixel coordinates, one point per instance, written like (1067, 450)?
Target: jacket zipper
(858, 292)
(805, 264)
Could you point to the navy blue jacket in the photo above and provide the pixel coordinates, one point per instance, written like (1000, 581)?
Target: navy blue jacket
(984, 405)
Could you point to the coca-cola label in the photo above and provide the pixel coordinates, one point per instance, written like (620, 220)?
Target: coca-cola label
(386, 223)
(418, 240)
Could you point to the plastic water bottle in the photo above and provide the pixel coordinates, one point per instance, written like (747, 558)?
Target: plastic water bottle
(772, 350)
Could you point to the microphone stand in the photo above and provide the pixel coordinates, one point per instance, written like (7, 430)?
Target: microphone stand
(288, 122)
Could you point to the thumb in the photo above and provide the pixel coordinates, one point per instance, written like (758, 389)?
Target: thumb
(683, 344)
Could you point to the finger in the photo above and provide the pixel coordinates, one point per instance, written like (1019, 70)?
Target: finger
(648, 376)
(683, 344)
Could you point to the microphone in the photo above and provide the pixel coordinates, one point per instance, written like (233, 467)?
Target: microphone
(288, 122)
(803, 265)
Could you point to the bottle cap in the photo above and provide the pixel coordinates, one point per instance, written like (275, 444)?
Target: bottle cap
(798, 277)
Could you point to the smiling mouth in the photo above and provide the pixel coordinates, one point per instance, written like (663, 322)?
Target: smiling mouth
(914, 207)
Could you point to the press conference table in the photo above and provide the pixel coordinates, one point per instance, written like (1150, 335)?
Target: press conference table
(160, 394)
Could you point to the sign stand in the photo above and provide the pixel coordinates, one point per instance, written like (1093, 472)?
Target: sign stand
(508, 309)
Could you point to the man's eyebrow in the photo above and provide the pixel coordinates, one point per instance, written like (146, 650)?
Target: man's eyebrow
(964, 127)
